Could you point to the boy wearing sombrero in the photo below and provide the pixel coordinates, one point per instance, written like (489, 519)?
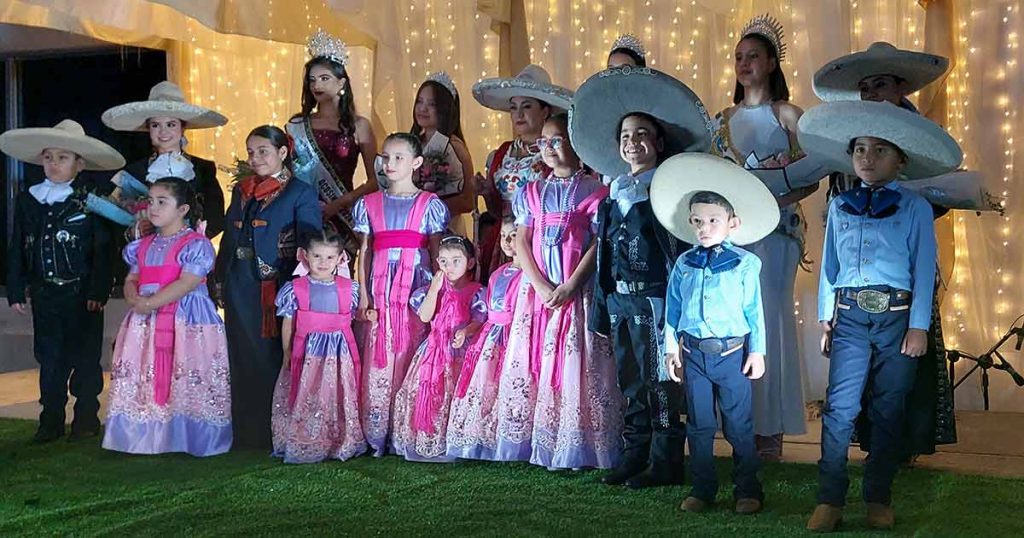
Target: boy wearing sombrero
(876, 286)
(61, 253)
(623, 123)
(714, 319)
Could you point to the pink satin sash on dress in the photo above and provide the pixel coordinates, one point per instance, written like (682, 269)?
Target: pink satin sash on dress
(308, 321)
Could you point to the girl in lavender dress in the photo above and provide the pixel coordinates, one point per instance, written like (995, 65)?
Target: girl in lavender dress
(478, 428)
(169, 384)
(316, 401)
(578, 417)
(401, 227)
(455, 306)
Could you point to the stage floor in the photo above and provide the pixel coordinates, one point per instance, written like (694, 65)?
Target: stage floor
(991, 443)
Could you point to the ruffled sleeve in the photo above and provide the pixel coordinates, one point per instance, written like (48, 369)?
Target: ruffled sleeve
(197, 257)
(436, 217)
(521, 208)
(360, 220)
(286, 302)
(417, 298)
(355, 295)
(478, 308)
(131, 256)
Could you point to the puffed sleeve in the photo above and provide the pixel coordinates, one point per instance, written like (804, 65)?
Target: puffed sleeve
(478, 308)
(285, 302)
(436, 217)
(355, 295)
(360, 220)
(130, 255)
(416, 299)
(197, 257)
(521, 208)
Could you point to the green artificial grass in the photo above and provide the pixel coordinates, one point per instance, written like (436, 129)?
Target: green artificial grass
(80, 489)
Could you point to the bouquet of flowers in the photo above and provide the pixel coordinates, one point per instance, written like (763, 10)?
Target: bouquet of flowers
(435, 174)
(128, 199)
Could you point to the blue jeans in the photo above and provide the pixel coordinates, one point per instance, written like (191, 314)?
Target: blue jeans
(866, 358)
(716, 380)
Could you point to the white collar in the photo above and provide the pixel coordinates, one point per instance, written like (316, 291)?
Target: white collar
(49, 192)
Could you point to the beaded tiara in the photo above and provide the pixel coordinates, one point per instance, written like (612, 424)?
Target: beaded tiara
(630, 42)
(769, 28)
(442, 78)
(324, 45)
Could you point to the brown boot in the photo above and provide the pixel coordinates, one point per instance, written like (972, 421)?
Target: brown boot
(880, 516)
(826, 518)
(694, 505)
(748, 506)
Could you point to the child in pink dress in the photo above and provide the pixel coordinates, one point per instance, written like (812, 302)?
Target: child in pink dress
(578, 417)
(400, 230)
(455, 307)
(169, 381)
(477, 428)
(316, 400)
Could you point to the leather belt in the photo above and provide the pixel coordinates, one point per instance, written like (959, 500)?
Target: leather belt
(876, 301)
(716, 346)
(61, 281)
(634, 287)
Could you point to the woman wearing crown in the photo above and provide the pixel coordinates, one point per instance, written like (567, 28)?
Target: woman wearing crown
(760, 132)
(446, 159)
(330, 137)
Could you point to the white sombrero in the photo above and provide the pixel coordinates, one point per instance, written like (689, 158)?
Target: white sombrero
(826, 130)
(165, 100)
(962, 189)
(28, 144)
(602, 101)
(682, 176)
(533, 81)
(839, 79)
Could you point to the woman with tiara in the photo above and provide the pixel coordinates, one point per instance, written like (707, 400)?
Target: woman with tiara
(446, 159)
(530, 99)
(759, 132)
(166, 116)
(330, 137)
(627, 50)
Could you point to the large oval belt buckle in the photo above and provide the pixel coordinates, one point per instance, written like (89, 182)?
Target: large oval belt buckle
(873, 301)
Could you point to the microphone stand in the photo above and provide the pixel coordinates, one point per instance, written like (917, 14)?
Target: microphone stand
(991, 359)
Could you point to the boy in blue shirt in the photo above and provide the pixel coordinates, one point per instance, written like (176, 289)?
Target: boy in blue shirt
(714, 320)
(875, 291)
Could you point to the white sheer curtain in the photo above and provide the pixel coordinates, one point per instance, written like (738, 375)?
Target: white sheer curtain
(257, 79)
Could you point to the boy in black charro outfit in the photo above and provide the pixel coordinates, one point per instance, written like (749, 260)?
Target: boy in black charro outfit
(646, 116)
(59, 256)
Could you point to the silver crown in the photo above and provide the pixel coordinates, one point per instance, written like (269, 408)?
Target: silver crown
(631, 42)
(324, 45)
(769, 28)
(442, 78)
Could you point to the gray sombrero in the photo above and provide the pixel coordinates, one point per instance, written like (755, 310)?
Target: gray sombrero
(28, 144)
(165, 100)
(839, 79)
(680, 177)
(606, 97)
(533, 81)
(827, 129)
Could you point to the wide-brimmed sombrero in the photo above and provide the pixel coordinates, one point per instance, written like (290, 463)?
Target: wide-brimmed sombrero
(839, 79)
(826, 131)
(601, 102)
(680, 177)
(962, 189)
(165, 100)
(533, 81)
(28, 144)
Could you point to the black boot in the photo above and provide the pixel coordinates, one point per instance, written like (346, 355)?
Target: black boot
(84, 426)
(626, 470)
(51, 426)
(656, 476)
(666, 467)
